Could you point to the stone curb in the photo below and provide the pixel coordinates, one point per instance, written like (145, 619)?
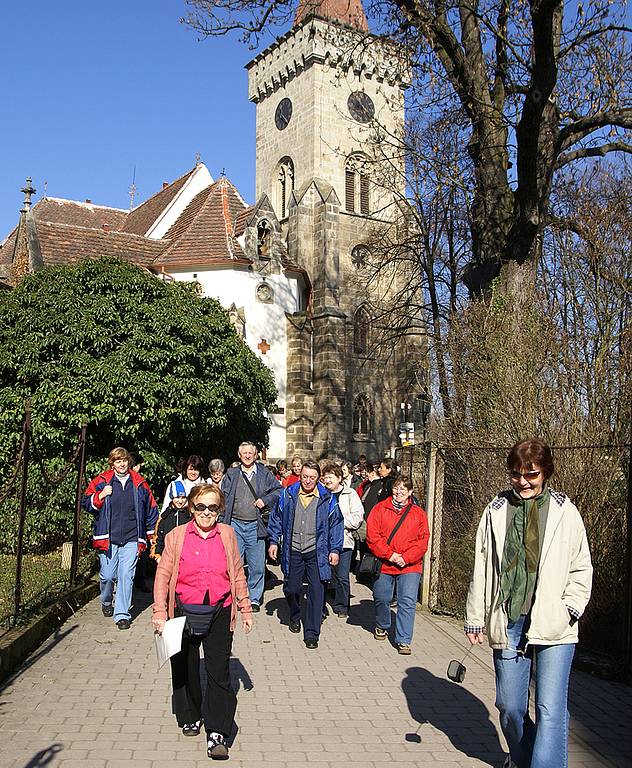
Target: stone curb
(19, 642)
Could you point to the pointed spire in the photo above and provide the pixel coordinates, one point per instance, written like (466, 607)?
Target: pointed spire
(29, 190)
(349, 12)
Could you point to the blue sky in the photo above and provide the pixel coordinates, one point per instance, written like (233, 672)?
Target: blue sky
(90, 90)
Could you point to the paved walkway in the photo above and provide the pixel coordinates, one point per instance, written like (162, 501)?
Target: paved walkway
(91, 697)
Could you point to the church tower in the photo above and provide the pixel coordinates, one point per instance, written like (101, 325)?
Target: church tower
(330, 98)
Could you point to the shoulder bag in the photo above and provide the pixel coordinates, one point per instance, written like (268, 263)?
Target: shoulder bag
(370, 565)
(199, 618)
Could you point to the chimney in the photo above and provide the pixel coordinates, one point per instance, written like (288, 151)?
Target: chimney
(165, 184)
(88, 200)
(105, 227)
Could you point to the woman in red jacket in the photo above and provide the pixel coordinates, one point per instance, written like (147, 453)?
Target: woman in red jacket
(401, 560)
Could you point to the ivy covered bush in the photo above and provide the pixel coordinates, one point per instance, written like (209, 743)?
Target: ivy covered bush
(147, 364)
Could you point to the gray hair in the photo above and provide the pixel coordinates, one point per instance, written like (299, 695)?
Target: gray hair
(216, 465)
(249, 444)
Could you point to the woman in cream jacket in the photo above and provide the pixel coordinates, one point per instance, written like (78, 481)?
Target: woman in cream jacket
(531, 583)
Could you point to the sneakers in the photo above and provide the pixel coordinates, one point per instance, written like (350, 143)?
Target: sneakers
(255, 607)
(311, 643)
(192, 729)
(123, 624)
(295, 626)
(380, 634)
(107, 611)
(404, 649)
(216, 747)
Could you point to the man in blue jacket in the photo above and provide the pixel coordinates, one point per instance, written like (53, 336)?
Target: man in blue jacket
(308, 521)
(125, 514)
(251, 492)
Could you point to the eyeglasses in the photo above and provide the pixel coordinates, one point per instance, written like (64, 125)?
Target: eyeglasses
(213, 509)
(528, 476)
(400, 489)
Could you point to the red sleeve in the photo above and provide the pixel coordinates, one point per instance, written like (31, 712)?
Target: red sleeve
(376, 533)
(414, 553)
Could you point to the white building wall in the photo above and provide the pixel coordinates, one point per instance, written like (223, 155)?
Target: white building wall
(234, 285)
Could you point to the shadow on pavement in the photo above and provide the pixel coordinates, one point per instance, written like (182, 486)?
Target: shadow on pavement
(44, 756)
(52, 641)
(362, 615)
(239, 676)
(280, 607)
(141, 601)
(455, 711)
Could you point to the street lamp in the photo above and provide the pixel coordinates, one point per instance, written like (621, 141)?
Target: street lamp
(424, 411)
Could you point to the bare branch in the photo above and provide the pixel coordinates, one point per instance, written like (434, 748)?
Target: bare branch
(584, 126)
(601, 151)
(581, 39)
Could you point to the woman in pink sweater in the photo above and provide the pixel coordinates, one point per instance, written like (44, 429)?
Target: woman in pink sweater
(201, 566)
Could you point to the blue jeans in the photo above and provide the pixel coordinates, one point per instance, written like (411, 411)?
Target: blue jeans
(543, 744)
(253, 553)
(340, 581)
(118, 565)
(407, 591)
(301, 564)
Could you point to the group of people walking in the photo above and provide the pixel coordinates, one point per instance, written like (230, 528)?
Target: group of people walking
(212, 539)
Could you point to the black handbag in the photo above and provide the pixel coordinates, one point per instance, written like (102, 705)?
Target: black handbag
(457, 669)
(370, 565)
(199, 618)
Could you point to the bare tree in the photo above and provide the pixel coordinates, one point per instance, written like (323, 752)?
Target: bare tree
(540, 84)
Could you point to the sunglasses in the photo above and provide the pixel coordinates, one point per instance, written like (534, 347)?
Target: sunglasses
(529, 476)
(213, 509)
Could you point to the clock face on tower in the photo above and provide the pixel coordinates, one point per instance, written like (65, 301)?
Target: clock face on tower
(361, 107)
(283, 114)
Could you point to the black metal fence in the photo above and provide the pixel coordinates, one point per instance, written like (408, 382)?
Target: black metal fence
(461, 479)
(43, 539)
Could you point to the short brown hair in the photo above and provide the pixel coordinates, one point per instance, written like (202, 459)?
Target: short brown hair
(332, 469)
(528, 453)
(311, 464)
(118, 453)
(405, 481)
(201, 490)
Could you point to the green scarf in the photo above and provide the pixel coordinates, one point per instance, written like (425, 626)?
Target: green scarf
(521, 555)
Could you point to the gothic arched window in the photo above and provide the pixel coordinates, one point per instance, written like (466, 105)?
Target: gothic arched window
(362, 415)
(361, 330)
(263, 239)
(356, 185)
(284, 186)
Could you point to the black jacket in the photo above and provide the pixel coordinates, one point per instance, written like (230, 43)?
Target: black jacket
(169, 519)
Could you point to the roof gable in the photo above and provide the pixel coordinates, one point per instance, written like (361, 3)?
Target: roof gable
(140, 219)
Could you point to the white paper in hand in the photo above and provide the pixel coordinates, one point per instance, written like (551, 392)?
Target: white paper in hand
(170, 642)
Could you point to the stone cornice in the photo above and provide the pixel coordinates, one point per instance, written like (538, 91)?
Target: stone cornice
(320, 41)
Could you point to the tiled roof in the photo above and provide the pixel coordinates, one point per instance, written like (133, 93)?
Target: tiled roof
(141, 218)
(242, 220)
(348, 12)
(205, 229)
(80, 214)
(66, 244)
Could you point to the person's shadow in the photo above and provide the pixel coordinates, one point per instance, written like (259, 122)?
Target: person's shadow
(450, 708)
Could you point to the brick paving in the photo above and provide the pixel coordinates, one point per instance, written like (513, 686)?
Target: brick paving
(91, 697)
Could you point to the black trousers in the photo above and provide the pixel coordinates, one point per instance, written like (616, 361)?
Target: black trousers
(217, 709)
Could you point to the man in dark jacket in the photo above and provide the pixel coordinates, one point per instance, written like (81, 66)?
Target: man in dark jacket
(309, 521)
(125, 513)
(251, 492)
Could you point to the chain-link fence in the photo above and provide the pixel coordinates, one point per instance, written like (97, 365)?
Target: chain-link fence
(43, 537)
(464, 478)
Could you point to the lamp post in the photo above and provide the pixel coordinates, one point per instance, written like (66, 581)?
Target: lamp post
(424, 411)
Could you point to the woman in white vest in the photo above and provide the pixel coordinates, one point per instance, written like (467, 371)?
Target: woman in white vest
(531, 584)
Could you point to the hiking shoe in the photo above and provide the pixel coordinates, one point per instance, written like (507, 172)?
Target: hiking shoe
(107, 611)
(192, 729)
(404, 649)
(380, 634)
(295, 626)
(311, 643)
(123, 624)
(216, 747)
